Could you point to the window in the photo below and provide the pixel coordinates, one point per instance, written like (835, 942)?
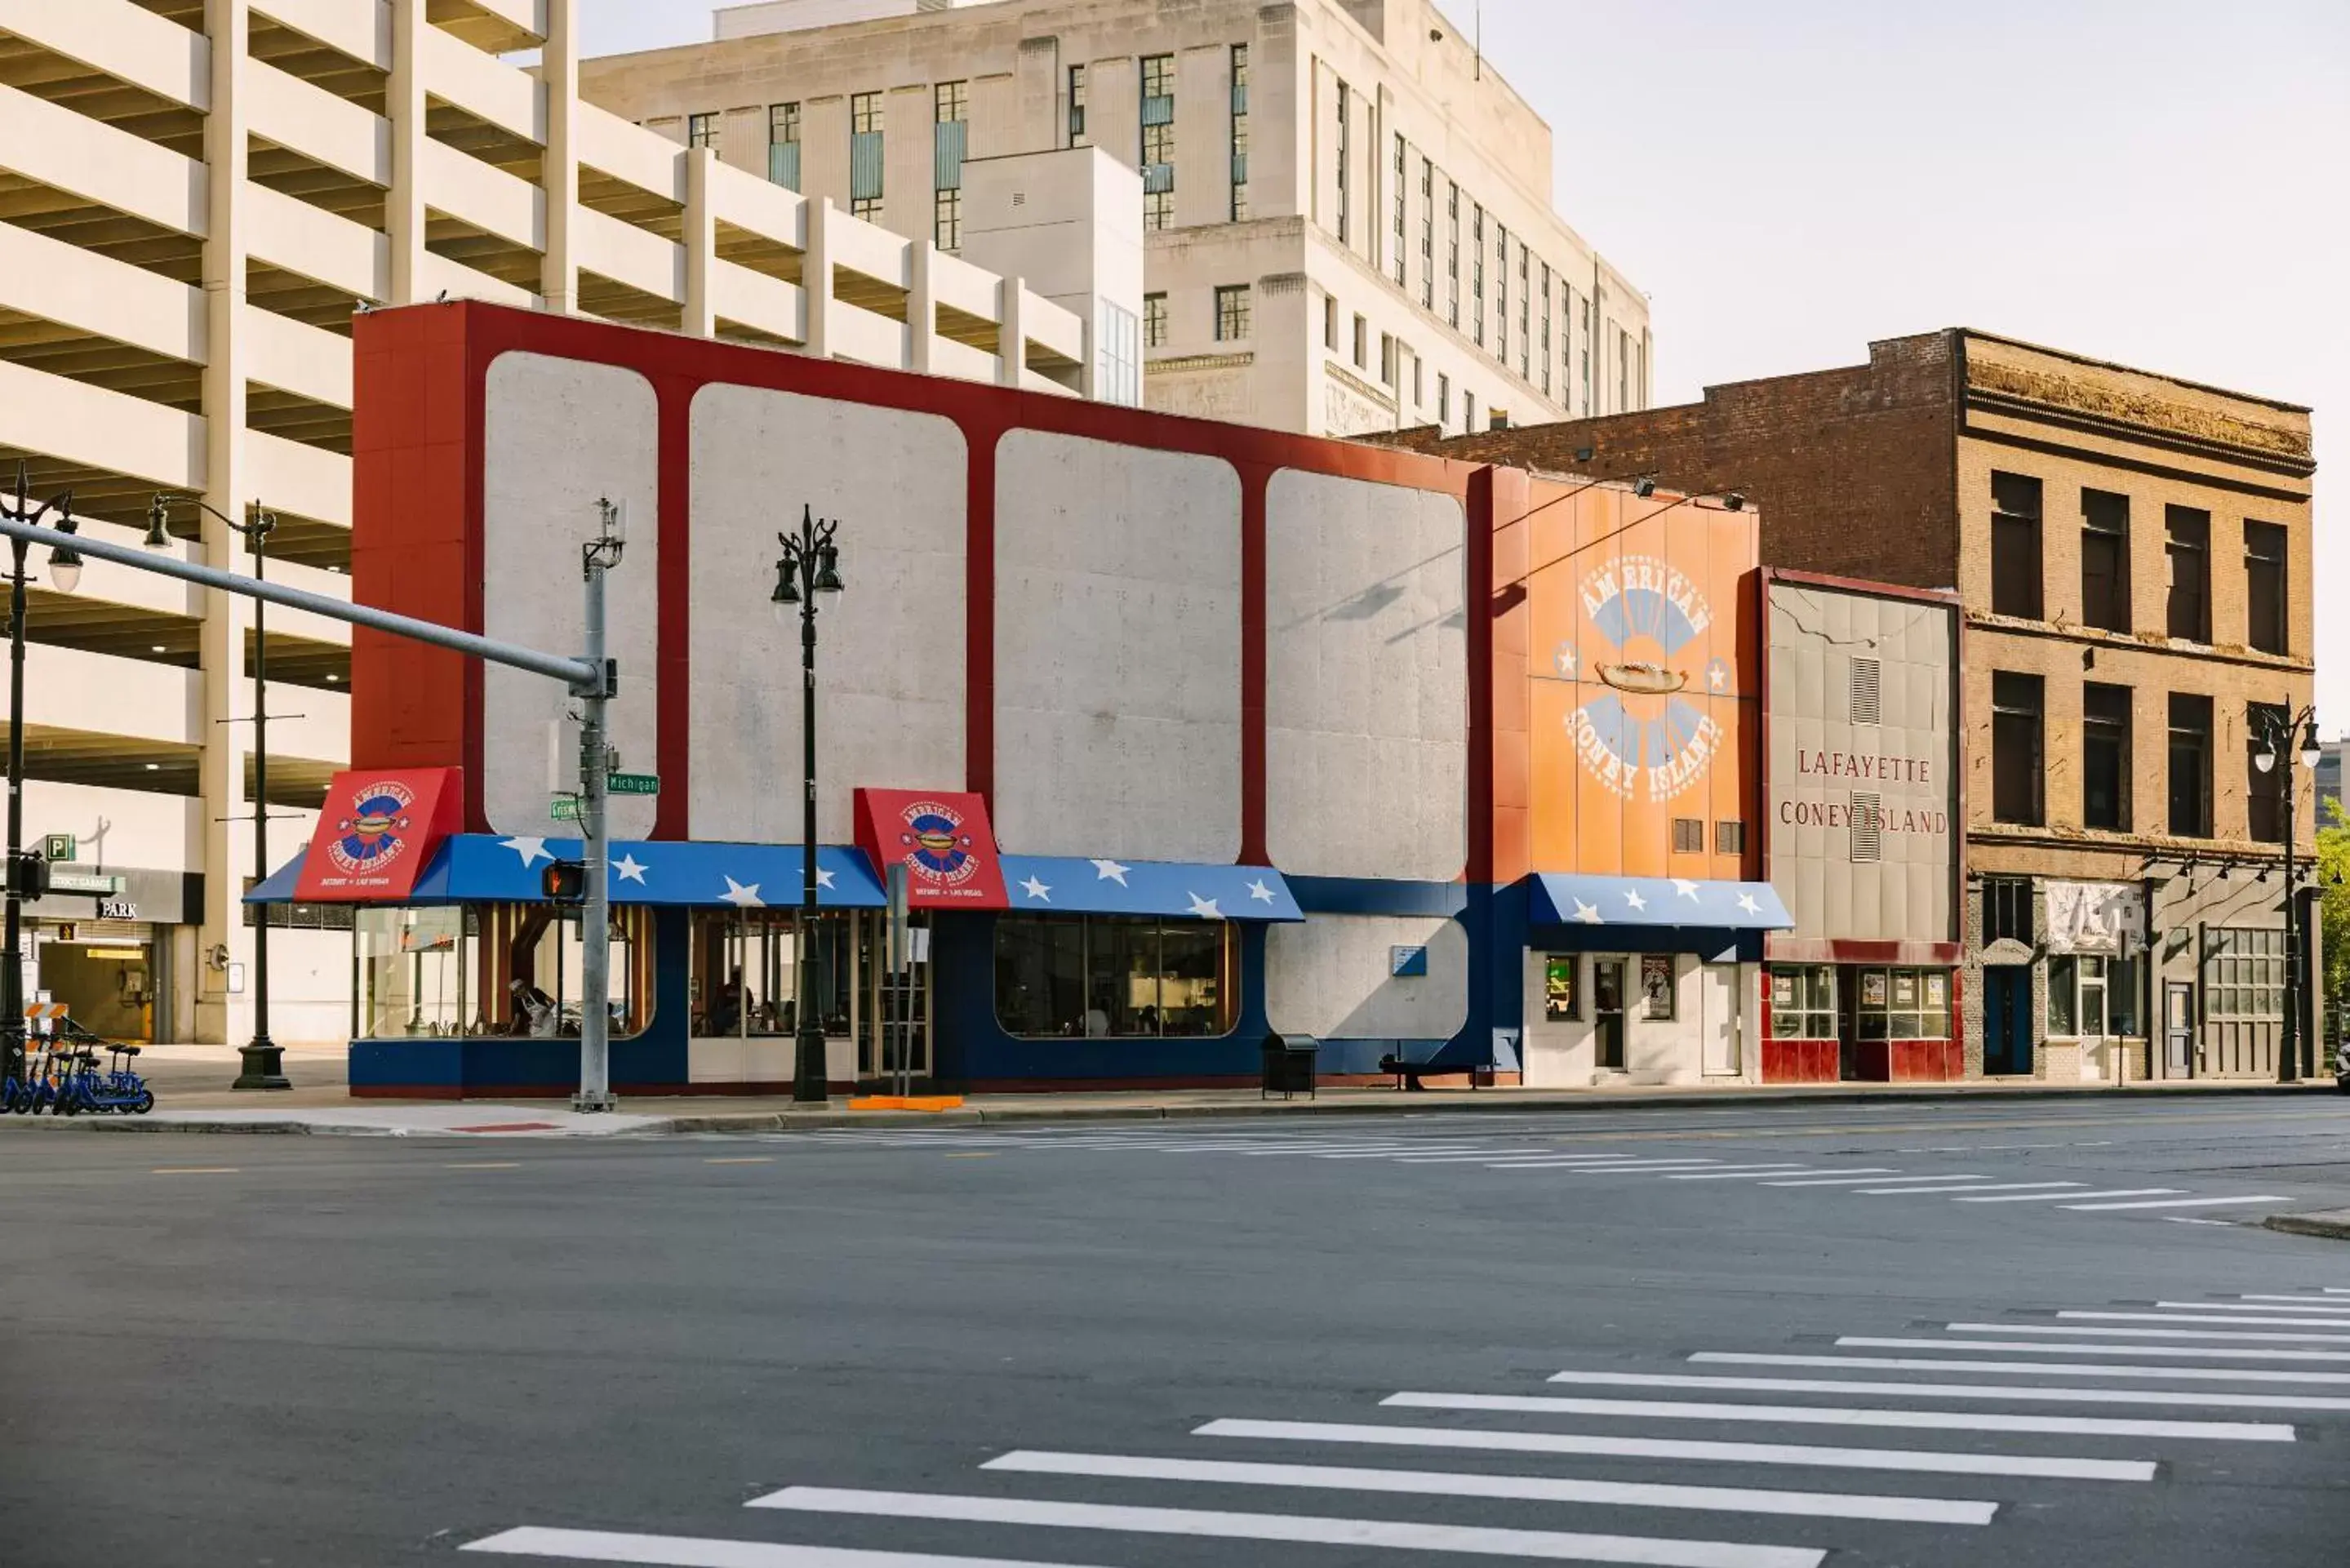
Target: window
(868, 208)
(1477, 275)
(1330, 322)
(1402, 206)
(1362, 344)
(1525, 308)
(2092, 996)
(1419, 386)
(1387, 360)
(1546, 329)
(2007, 909)
(1158, 174)
(2264, 725)
(1803, 1002)
(1154, 321)
(1426, 236)
(1343, 154)
(1589, 316)
(1159, 75)
(1562, 988)
(1443, 399)
(702, 131)
(2264, 602)
(1158, 209)
(2016, 546)
(950, 102)
(1112, 977)
(1903, 1003)
(1623, 370)
(784, 144)
(2190, 766)
(1117, 356)
(1689, 835)
(864, 116)
(1077, 107)
(1231, 313)
(1452, 254)
(2187, 543)
(2104, 560)
(1239, 133)
(946, 222)
(2015, 741)
(2106, 757)
(1501, 294)
(1467, 410)
(1729, 838)
(2244, 998)
(743, 977)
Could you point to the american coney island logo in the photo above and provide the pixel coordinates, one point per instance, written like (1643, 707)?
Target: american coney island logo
(1643, 735)
(374, 835)
(937, 848)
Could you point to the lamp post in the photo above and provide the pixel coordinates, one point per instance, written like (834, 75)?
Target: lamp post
(262, 1061)
(809, 566)
(2278, 729)
(65, 571)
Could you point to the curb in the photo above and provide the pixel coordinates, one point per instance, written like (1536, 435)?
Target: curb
(2333, 1223)
(1503, 1102)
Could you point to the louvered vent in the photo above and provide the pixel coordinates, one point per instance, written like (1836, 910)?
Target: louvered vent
(1867, 823)
(1864, 677)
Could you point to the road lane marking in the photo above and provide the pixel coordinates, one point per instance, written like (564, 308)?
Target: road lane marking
(2181, 1202)
(1953, 1390)
(1302, 1529)
(2067, 1197)
(970, 1154)
(2257, 1303)
(1419, 1149)
(1835, 1416)
(1993, 1186)
(1924, 1461)
(1750, 1175)
(1598, 1165)
(484, 1165)
(700, 1551)
(1461, 1158)
(1533, 1489)
(2150, 1333)
(2037, 1347)
(2057, 1369)
(770, 1159)
(195, 1170)
(2327, 1303)
(1922, 1183)
(2198, 1317)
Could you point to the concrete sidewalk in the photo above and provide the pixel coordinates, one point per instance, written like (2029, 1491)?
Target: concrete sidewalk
(316, 1106)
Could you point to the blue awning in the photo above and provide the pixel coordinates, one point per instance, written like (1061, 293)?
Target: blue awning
(1648, 902)
(482, 867)
(1071, 886)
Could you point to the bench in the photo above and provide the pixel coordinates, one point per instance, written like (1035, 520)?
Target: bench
(1408, 1075)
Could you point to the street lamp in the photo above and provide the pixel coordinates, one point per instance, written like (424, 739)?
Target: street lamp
(65, 573)
(2278, 729)
(262, 1061)
(809, 566)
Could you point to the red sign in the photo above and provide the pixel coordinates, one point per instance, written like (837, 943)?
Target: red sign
(943, 838)
(376, 833)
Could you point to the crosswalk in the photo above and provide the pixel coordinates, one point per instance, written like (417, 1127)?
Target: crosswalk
(1641, 1162)
(1720, 1474)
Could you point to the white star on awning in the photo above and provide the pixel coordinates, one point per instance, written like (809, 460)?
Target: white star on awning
(628, 868)
(1746, 902)
(1685, 887)
(742, 897)
(1205, 908)
(823, 877)
(1110, 871)
(1587, 913)
(1037, 891)
(1260, 892)
(1632, 897)
(532, 850)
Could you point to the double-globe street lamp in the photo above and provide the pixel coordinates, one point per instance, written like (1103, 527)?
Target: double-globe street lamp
(2278, 731)
(24, 880)
(809, 566)
(261, 1061)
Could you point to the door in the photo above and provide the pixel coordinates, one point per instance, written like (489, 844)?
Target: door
(2007, 1021)
(1719, 999)
(1607, 1013)
(2177, 1029)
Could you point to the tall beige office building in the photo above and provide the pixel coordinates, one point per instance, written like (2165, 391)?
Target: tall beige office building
(195, 196)
(1347, 213)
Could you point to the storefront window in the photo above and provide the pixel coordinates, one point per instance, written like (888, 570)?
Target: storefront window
(745, 972)
(1803, 1002)
(1113, 977)
(492, 969)
(413, 971)
(1904, 1004)
(2091, 996)
(1562, 992)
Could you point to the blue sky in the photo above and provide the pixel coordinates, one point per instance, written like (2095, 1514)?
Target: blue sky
(2153, 182)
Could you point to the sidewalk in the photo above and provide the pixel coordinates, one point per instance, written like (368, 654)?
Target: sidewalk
(314, 1107)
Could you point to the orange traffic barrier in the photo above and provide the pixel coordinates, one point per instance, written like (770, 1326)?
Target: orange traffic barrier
(906, 1103)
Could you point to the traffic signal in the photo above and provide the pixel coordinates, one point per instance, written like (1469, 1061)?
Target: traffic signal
(31, 875)
(563, 882)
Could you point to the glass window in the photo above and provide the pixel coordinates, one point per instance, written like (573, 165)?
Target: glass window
(1231, 313)
(946, 221)
(2104, 560)
(1343, 160)
(1114, 977)
(864, 116)
(1078, 105)
(493, 968)
(1562, 987)
(1158, 210)
(2063, 995)
(2265, 579)
(1903, 1004)
(1154, 320)
(702, 131)
(1402, 208)
(744, 975)
(1803, 1002)
(1159, 75)
(2187, 546)
(867, 208)
(951, 102)
(2007, 908)
(2091, 996)
(2190, 766)
(2265, 727)
(2016, 546)
(2106, 756)
(2016, 747)
(783, 124)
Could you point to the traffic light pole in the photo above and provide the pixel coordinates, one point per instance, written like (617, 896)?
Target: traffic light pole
(595, 766)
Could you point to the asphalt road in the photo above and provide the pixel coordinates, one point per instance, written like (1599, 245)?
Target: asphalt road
(1169, 1345)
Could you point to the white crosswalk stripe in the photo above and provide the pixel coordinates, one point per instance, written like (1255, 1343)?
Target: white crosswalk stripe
(2028, 1395)
(2069, 1197)
(2057, 1369)
(2184, 1202)
(1848, 1416)
(688, 1551)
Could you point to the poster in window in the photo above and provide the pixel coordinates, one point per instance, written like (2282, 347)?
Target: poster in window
(1872, 988)
(1559, 999)
(1782, 990)
(1905, 989)
(1657, 984)
(1938, 990)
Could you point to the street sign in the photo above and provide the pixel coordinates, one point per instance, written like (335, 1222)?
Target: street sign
(565, 809)
(83, 882)
(633, 783)
(57, 846)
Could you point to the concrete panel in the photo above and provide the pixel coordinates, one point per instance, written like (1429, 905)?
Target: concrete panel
(890, 660)
(1367, 679)
(1117, 651)
(559, 435)
(1333, 977)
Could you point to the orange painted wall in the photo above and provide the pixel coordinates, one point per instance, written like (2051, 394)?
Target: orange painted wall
(1642, 676)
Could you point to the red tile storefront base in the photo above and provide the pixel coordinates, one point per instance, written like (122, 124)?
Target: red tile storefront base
(1800, 1062)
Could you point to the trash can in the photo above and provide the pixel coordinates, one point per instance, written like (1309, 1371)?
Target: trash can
(1289, 1065)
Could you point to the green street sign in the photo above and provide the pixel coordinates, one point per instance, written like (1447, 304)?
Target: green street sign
(633, 783)
(565, 809)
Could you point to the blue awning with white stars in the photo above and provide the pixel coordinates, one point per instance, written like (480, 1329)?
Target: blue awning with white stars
(1046, 884)
(1561, 900)
(484, 868)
